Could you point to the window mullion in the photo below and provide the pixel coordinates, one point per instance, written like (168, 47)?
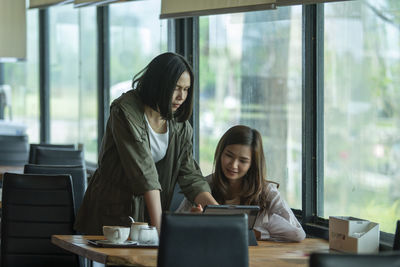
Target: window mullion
(309, 114)
(44, 75)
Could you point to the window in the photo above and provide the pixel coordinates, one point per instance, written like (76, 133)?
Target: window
(22, 78)
(362, 112)
(73, 82)
(137, 35)
(250, 73)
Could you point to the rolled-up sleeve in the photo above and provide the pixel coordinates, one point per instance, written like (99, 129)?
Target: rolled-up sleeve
(134, 153)
(190, 178)
(278, 222)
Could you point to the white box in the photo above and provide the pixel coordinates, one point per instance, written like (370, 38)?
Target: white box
(354, 235)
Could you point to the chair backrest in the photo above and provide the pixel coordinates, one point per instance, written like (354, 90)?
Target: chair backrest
(33, 147)
(34, 208)
(203, 240)
(56, 156)
(355, 260)
(77, 172)
(13, 150)
(396, 243)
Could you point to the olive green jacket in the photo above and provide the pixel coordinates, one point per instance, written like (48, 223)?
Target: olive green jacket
(126, 169)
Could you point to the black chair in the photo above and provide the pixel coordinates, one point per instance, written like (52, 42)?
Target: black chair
(33, 147)
(34, 208)
(396, 243)
(355, 260)
(199, 240)
(13, 150)
(77, 172)
(56, 156)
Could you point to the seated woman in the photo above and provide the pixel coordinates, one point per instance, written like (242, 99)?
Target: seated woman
(239, 179)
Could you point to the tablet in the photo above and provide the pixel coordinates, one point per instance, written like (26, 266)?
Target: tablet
(251, 211)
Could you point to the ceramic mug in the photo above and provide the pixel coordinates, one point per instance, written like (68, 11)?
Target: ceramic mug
(135, 229)
(116, 234)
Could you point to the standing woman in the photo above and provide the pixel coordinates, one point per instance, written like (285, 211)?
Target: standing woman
(146, 150)
(239, 179)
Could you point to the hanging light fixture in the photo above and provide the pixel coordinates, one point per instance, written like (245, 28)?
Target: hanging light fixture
(12, 30)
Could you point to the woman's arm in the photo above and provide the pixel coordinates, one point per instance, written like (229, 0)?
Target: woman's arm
(190, 179)
(278, 222)
(153, 203)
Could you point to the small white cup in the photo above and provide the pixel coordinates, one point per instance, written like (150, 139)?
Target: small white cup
(148, 236)
(116, 234)
(135, 229)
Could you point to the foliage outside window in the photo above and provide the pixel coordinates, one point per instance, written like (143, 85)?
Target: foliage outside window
(73, 82)
(137, 35)
(250, 73)
(362, 111)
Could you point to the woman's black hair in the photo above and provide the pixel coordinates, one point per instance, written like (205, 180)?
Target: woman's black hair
(157, 81)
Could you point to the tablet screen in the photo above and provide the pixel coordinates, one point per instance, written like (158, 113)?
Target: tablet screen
(251, 211)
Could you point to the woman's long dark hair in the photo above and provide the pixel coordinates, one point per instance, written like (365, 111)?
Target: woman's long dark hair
(157, 81)
(254, 183)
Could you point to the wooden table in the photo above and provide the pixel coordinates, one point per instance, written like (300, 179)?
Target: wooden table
(15, 169)
(267, 253)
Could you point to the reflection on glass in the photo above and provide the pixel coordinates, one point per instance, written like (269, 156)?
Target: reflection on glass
(250, 73)
(362, 111)
(22, 80)
(73, 97)
(137, 35)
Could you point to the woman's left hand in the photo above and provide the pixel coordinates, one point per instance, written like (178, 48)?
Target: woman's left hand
(197, 209)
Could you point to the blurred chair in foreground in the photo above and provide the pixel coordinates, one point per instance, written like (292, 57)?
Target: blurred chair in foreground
(34, 208)
(203, 240)
(33, 148)
(77, 172)
(382, 259)
(396, 243)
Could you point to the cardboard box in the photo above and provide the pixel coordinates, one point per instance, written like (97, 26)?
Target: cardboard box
(353, 235)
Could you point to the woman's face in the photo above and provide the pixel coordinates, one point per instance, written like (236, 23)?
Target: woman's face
(181, 91)
(236, 161)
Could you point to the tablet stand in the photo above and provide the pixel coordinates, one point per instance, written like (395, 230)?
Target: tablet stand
(252, 238)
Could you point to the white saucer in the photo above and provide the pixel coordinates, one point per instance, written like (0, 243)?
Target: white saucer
(108, 242)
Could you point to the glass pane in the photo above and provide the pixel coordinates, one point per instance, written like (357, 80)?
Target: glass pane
(22, 82)
(250, 73)
(73, 83)
(362, 112)
(88, 109)
(136, 36)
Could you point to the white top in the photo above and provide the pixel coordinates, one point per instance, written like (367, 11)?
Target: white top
(277, 222)
(158, 142)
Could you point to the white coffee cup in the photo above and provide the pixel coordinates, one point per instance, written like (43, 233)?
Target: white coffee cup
(116, 234)
(135, 229)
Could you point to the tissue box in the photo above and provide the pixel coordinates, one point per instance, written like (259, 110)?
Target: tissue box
(354, 235)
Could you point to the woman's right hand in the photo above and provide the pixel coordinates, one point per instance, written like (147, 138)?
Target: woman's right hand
(197, 209)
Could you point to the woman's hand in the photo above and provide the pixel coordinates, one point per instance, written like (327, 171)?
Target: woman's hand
(197, 209)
